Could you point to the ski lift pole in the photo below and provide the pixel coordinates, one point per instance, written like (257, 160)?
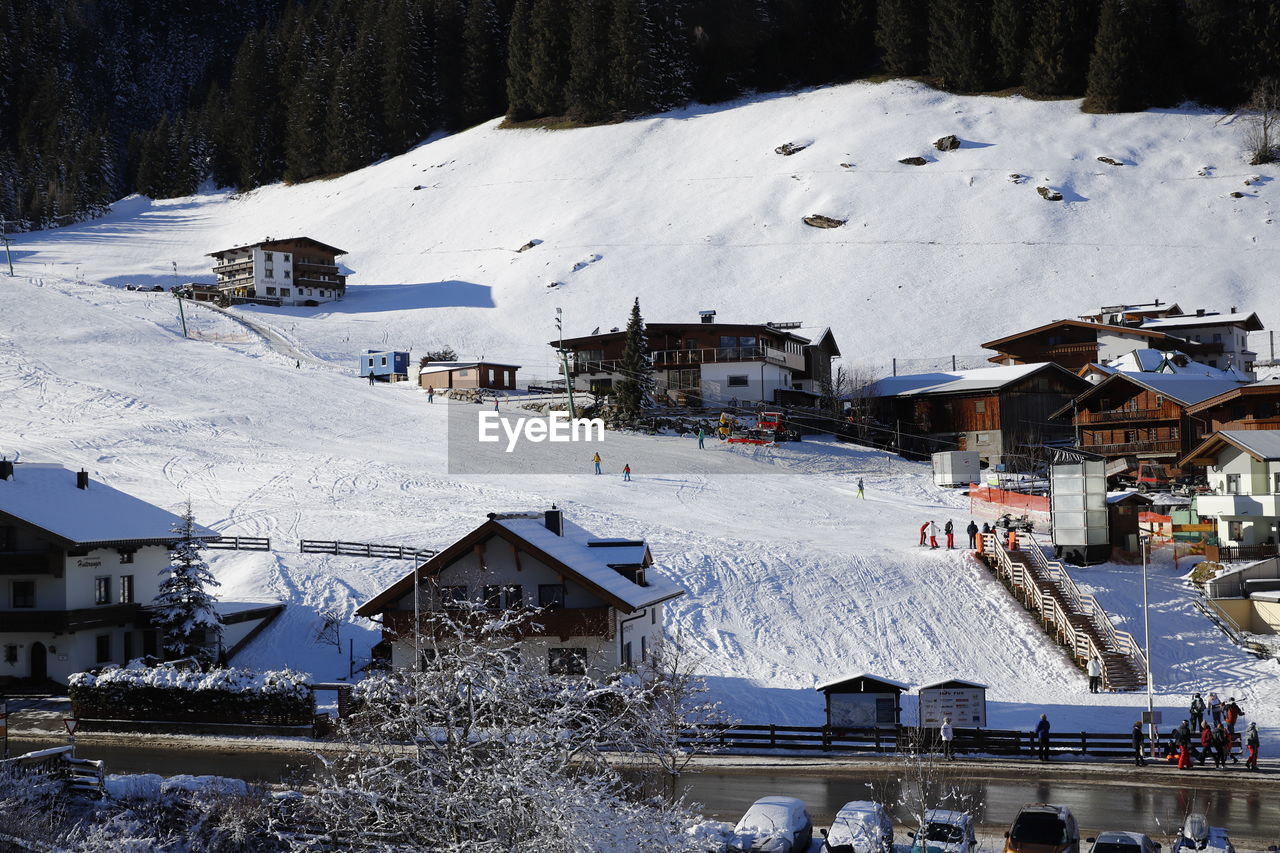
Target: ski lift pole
(568, 382)
(182, 314)
(4, 235)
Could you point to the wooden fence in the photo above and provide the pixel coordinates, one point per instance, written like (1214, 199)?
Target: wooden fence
(907, 740)
(239, 543)
(364, 549)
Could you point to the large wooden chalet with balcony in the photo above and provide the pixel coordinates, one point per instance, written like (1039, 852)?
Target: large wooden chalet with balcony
(707, 363)
(1254, 406)
(294, 271)
(1140, 423)
(1077, 343)
(593, 603)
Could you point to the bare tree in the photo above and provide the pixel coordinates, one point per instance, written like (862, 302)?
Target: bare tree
(1262, 122)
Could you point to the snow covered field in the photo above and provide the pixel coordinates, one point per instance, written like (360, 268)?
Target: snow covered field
(792, 580)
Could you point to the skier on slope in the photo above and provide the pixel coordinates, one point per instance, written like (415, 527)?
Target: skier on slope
(950, 530)
(595, 460)
(972, 530)
(924, 532)
(933, 536)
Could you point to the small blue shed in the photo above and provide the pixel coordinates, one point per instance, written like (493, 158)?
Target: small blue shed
(385, 365)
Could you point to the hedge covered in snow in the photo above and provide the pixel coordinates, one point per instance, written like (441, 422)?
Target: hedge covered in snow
(230, 695)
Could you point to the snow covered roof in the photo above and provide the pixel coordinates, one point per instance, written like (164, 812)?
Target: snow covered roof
(1261, 443)
(445, 366)
(954, 381)
(574, 552)
(1157, 361)
(846, 679)
(1120, 497)
(949, 681)
(1235, 318)
(46, 496)
(1184, 388)
(815, 334)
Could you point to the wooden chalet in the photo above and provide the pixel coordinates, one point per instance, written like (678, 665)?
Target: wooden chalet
(1252, 406)
(1076, 343)
(592, 605)
(994, 410)
(1139, 422)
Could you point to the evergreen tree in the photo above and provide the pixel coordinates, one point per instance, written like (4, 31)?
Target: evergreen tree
(1206, 36)
(1008, 40)
(482, 63)
(548, 56)
(902, 34)
(959, 44)
(447, 17)
(407, 94)
(587, 92)
(635, 389)
(184, 611)
(353, 137)
(1058, 45)
(1127, 70)
(306, 126)
(519, 57)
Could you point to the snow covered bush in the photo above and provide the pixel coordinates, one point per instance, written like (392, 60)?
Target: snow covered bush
(184, 610)
(231, 695)
(481, 752)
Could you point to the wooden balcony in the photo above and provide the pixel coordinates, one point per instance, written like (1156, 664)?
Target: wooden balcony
(1132, 448)
(563, 623)
(29, 562)
(1114, 416)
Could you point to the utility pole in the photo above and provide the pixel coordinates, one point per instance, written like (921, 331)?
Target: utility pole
(182, 314)
(1146, 631)
(564, 362)
(4, 235)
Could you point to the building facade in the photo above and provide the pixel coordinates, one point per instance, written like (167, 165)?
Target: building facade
(1243, 469)
(1077, 343)
(468, 374)
(296, 271)
(597, 604)
(79, 563)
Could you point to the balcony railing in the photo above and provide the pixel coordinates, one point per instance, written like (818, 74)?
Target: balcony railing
(677, 358)
(1072, 349)
(1232, 553)
(564, 623)
(61, 621)
(28, 562)
(1123, 416)
(1134, 447)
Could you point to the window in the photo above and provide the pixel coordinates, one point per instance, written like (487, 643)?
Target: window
(626, 653)
(284, 291)
(1195, 338)
(288, 274)
(644, 647)
(490, 380)
(464, 373)
(551, 595)
(984, 438)
(8, 538)
(979, 406)
(126, 556)
(11, 654)
(1159, 400)
(102, 590)
(267, 255)
(271, 291)
(739, 381)
(566, 661)
(1233, 485)
(1217, 337)
(286, 258)
(1275, 483)
(270, 273)
(453, 594)
(23, 594)
(1235, 530)
(126, 589)
(513, 596)
(384, 361)
(103, 642)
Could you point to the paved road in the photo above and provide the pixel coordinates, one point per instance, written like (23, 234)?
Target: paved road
(1102, 797)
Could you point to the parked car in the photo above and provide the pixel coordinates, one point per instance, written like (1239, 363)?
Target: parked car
(1197, 834)
(1042, 828)
(773, 825)
(945, 832)
(859, 827)
(1122, 842)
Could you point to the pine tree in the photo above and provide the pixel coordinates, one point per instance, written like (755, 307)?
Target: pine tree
(902, 34)
(482, 63)
(305, 128)
(1008, 40)
(184, 611)
(1114, 71)
(635, 389)
(1058, 45)
(1206, 36)
(519, 93)
(353, 125)
(959, 44)
(548, 56)
(407, 94)
(447, 17)
(587, 92)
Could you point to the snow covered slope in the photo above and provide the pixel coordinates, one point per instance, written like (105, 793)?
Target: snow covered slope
(693, 210)
(792, 580)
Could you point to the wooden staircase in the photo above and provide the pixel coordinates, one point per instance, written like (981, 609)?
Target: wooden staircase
(1075, 620)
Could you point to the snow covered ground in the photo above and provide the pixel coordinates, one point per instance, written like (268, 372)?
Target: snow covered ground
(792, 580)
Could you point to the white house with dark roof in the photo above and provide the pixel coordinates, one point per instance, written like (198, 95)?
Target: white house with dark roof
(600, 603)
(1243, 469)
(79, 561)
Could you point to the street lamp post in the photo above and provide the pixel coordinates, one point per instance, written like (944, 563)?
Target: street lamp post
(1146, 639)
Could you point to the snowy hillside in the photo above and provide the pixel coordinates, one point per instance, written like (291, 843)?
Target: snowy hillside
(792, 580)
(693, 210)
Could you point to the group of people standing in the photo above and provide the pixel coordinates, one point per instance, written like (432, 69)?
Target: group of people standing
(1210, 733)
(929, 531)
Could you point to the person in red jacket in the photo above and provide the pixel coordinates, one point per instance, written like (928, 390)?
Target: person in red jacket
(924, 531)
(1206, 741)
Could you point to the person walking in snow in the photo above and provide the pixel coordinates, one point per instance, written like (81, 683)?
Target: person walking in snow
(861, 494)
(950, 530)
(1197, 711)
(1251, 742)
(370, 378)
(972, 530)
(1215, 709)
(626, 473)
(948, 737)
(1206, 742)
(1182, 737)
(1095, 673)
(924, 532)
(595, 460)
(1042, 738)
(933, 536)
(495, 402)
(1138, 758)
(1220, 742)
(1232, 713)
(431, 394)
(298, 364)
(702, 436)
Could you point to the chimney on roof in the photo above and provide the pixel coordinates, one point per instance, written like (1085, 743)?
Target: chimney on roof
(82, 479)
(6, 469)
(1233, 309)
(707, 316)
(554, 520)
(1199, 312)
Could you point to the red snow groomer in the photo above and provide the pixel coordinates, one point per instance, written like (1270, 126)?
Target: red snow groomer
(768, 429)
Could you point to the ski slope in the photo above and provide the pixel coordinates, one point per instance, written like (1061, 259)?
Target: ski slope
(791, 579)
